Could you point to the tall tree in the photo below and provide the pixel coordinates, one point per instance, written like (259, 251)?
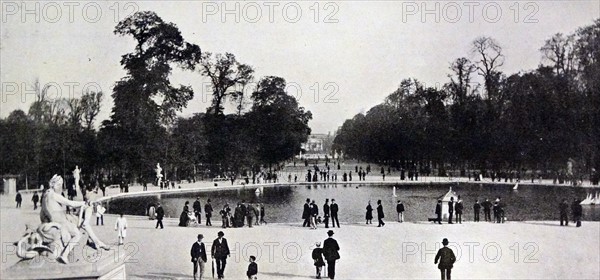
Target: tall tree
(279, 124)
(145, 98)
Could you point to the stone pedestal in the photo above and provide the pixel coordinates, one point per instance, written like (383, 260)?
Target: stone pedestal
(88, 265)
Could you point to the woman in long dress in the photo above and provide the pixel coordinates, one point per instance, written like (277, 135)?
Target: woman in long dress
(121, 228)
(369, 215)
(183, 218)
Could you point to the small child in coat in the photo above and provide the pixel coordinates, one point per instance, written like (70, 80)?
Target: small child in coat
(317, 255)
(252, 269)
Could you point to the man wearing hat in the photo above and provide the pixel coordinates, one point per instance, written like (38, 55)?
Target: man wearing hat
(197, 210)
(198, 253)
(446, 258)
(220, 252)
(330, 252)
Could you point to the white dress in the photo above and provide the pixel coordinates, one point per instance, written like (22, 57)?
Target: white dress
(121, 227)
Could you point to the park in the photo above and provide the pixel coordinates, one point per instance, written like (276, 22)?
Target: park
(480, 159)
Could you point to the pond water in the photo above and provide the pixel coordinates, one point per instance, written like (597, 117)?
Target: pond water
(284, 204)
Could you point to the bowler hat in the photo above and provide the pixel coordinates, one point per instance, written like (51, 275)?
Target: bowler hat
(445, 241)
(330, 232)
(220, 233)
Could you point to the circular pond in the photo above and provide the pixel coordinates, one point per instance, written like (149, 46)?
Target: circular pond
(284, 203)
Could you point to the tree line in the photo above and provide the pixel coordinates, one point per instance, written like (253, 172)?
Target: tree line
(538, 119)
(267, 127)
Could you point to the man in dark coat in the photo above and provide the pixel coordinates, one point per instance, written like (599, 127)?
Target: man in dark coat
(326, 213)
(476, 209)
(380, 215)
(459, 210)
(333, 209)
(220, 252)
(577, 211)
(446, 259)
(487, 206)
(306, 213)
(331, 254)
(160, 213)
(564, 212)
(438, 211)
(18, 199)
(244, 212)
(35, 199)
(197, 210)
(400, 211)
(249, 214)
(450, 209)
(198, 253)
(208, 212)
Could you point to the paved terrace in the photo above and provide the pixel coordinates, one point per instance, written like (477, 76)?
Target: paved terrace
(515, 250)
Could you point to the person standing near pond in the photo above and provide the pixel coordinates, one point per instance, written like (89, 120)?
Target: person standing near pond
(197, 210)
(450, 209)
(262, 214)
(19, 199)
(160, 214)
(225, 213)
(476, 209)
(380, 215)
(314, 212)
(249, 214)
(333, 209)
(400, 211)
(564, 212)
(459, 210)
(487, 206)
(35, 199)
(438, 211)
(306, 213)
(577, 211)
(369, 215)
(326, 213)
(331, 254)
(208, 212)
(446, 259)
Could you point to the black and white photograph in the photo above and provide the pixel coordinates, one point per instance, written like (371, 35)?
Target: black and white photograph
(184, 139)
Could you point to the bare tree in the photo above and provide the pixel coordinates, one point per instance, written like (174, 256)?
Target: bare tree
(460, 79)
(225, 73)
(489, 61)
(560, 50)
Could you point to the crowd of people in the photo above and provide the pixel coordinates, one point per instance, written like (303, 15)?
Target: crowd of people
(244, 214)
(310, 214)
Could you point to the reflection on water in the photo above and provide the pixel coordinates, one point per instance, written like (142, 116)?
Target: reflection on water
(284, 204)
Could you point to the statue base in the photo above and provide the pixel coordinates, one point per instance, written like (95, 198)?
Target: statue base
(92, 265)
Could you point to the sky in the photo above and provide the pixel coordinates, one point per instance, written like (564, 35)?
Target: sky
(339, 58)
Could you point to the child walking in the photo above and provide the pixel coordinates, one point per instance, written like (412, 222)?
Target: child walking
(121, 228)
(317, 255)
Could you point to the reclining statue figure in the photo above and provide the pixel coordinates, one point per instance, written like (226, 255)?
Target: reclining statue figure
(59, 231)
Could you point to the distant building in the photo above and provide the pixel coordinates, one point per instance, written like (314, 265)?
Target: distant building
(317, 146)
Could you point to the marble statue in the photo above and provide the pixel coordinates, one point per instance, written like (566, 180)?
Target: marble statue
(76, 176)
(158, 174)
(59, 232)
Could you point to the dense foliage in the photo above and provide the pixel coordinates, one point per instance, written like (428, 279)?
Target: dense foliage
(538, 119)
(144, 129)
